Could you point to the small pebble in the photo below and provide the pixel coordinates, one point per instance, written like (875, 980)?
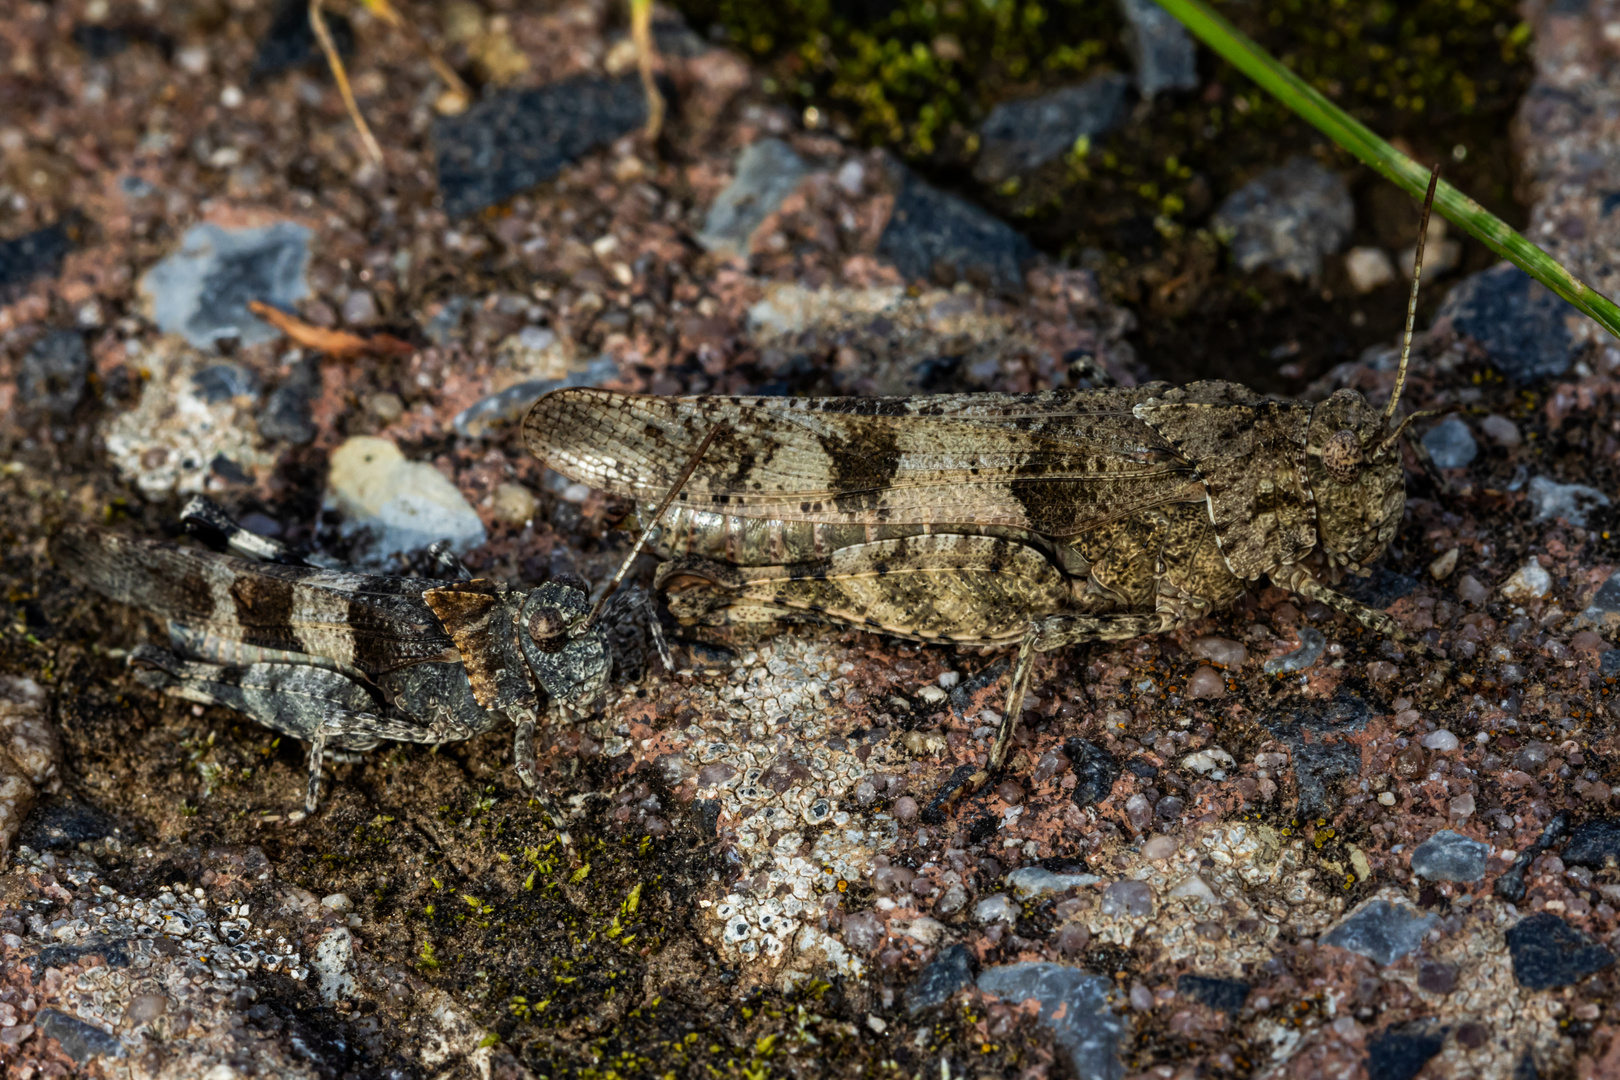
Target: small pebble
(1160, 847)
(1441, 740)
(1386, 798)
(1442, 567)
(1128, 898)
(513, 504)
(1528, 582)
(360, 308)
(385, 406)
(1221, 651)
(1501, 431)
(1369, 268)
(995, 908)
(1011, 792)
(1205, 684)
(1451, 444)
(905, 808)
(1141, 997)
(1072, 939)
(1472, 590)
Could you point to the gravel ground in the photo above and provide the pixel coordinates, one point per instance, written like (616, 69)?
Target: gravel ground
(1265, 845)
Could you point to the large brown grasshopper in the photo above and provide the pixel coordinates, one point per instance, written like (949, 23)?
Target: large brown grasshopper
(1029, 520)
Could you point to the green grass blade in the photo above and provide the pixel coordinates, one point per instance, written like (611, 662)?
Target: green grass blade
(1298, 95)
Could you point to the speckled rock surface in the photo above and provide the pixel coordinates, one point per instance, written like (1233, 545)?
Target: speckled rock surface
(1269, 844)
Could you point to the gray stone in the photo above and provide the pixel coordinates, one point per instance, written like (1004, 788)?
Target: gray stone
(80, 1041)
(938, 236)
(951, 970)
(1227, 995)
(1287, 219)
(1020, 136)
(1161, 49)
(1450, 856)
(1451, 444)
(399, 506)
(202, 291)
(1074, 1008)
(768, 171)
(510, 405)
(516, 139)
(225, 382)
(52, 379)
(1518, 321)
(1029, 881)
(1381, 931)
(1572, 502)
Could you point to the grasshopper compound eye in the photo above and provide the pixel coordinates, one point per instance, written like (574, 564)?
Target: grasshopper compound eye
(1343, 457)
(547, 626)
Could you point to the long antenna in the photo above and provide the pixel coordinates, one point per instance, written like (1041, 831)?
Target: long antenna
(652, 526)
(1411, 302)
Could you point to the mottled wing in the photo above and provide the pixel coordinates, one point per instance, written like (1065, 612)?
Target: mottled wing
(1054, 463)
(371, 623)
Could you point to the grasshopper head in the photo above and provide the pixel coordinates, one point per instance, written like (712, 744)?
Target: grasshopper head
(568, 658)
(1354, 470)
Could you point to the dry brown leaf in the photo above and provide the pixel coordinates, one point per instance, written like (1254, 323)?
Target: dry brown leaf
(336, 343)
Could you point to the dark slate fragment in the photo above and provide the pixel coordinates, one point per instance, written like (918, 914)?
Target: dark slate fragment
(515, 140)
(1095, 771)
(34, 255)
(290, 41)
(222, 382)
(53, 374)
(1548, 952)
(1593, 843)
(1518, 321)
(1510, 886)
(100, 42)
(963, 692)
(950, 971)
(80, 1041)
(1227, 995)
(115, 951)
(939, 237)
(1399, 1053)
(64, 824)
(1380, 588)
(287, 415)
(1020, 136)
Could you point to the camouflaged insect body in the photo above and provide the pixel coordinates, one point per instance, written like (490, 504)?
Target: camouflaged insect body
(1036, 520)
(345, 660)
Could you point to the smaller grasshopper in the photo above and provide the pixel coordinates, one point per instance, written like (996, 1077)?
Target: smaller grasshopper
(345, 660)
(1032, 521)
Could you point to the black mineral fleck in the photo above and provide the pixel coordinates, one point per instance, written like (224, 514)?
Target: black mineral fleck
(80, 1041)
(1227, 995)
(1399, 1053)
(1548, 952)
(950, 971)
(1593, 843)
(53, 374)
(1095, 771)
(936, 236)
(34, 255)
(290, 41)
(515, 140)
(1516, 320)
